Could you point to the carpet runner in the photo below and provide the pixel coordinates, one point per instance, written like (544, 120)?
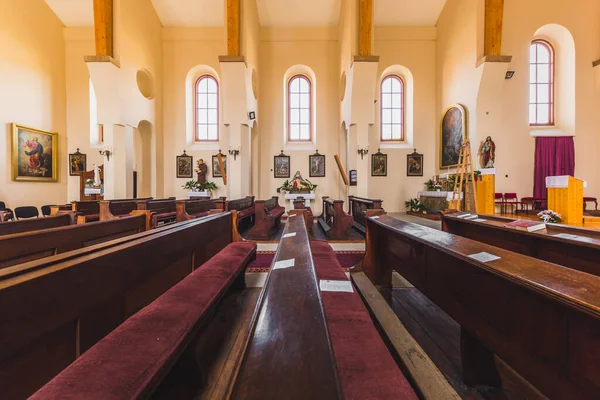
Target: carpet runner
(263, 261)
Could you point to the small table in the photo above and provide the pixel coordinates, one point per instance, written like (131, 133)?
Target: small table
(293, 196)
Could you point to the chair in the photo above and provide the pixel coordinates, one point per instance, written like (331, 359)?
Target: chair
(590, 199)
(2, 205)
(512, 200)
(26, 212)
(46, 211)
(525, 203)
(499, 201)
(7, 217)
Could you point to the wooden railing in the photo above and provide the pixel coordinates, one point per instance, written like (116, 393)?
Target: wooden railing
(334, 220)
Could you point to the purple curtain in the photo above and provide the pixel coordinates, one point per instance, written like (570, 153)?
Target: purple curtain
(553, 156)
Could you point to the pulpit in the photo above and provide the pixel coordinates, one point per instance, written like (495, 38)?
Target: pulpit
(89, 193)
(486, 187)
(565, 196)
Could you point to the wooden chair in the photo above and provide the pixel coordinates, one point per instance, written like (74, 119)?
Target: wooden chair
(26, 212)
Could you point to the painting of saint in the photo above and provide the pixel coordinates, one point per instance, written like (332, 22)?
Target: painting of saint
(34, 154)
(379, 164)
(77, 163)
(216, 168)
(317, 165)
(414, 164)
(281, 166)
(184, 166)
(453, 132)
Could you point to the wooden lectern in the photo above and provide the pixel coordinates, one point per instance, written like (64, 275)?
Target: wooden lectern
(565, 196)
(486, 188)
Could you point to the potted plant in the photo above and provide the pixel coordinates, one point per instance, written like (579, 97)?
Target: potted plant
(476, 175)
(191, 185)
(550, 216)
(209, 187)
(433, 185)
(415, 206)
(89, 183)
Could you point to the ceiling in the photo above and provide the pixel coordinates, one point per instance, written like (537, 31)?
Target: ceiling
(298, 13)
(407, 12)
(73, 13)
(190, 13)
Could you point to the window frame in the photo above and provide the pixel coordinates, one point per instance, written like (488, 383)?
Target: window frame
(403, 110)
(310, 110)
(551, 85)
(195, 102)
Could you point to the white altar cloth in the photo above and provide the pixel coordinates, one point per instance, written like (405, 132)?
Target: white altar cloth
(308, 197)
(200, 195)
(90, 191)
(559, 181)
(440, 194)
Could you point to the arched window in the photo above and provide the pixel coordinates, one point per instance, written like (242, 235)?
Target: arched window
(207, 109)
(541, 83)
(299, 109)
(392, 109)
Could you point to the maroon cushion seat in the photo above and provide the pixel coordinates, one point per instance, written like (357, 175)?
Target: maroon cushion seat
(165, 215)
(365, 366)
(128, 360)
(246, 212)
(92, 217)
(277, 212)
(200, 214)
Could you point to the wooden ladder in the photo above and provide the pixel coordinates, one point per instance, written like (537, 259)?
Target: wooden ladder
(465, 167)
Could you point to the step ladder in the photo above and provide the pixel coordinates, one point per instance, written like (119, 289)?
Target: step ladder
(465, 168)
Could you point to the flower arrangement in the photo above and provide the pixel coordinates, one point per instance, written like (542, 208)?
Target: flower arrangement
(89, 183)
(294, 186)
(194, 185)
(414, 205)
(434, 185)
(550, 216)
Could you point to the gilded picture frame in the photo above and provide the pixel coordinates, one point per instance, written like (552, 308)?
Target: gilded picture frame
(281, 166)
(316, 165)
(184, 166)
(453, 131)
(34, 154)
(77, 163)
(379, 164)
(414, 164)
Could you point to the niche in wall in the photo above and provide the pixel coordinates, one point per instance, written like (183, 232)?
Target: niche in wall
(145, 83)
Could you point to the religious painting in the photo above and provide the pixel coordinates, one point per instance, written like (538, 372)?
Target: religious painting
(77, 163)
(453, 131)
(281, 166)
(379, 164)
(184, 166)
(34, 154)
(414, 164)
(353, 177)
(317, 165)
(216, 167)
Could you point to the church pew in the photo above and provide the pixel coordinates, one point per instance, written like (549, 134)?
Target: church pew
(334, 220)
(163, 211)
(582, 254)
(365, 367)
(112, 209)
(540, 318)
(357, 207)
(134, 358)
(54, 210)
(89, 210)
(267, 217)
(244, 207)
(274, 365)
(300, 207)
(27, 246)
(35, 224)
(55, 309)
(190, 209)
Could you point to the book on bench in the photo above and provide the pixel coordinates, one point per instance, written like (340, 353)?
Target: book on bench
(525, 225)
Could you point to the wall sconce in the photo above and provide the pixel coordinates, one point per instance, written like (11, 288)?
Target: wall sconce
(362, 152)
(234, 153)
(509, 74)
(106, 152)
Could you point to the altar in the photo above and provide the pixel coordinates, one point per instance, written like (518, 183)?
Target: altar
(199, 195)
(308, 197)
(436, 200)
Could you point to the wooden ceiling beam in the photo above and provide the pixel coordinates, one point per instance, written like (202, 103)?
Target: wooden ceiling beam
(233, 27)
(103, 27)
(494, 13)
(365, 27)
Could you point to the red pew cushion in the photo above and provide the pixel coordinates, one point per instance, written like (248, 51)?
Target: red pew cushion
(246, 212)
(165, 215)
(122, 364)
(365, 366)
(200, 214)
(277, 212)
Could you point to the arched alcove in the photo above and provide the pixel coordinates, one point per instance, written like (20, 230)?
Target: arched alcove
(145, 83)
(409, 89)
(142, 157)
(563, 45)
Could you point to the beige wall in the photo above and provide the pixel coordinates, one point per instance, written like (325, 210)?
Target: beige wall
(32, 78)
(279, 50)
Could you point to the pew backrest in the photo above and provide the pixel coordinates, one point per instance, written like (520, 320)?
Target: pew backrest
(240, 204)
(26, 225)
(357, 206)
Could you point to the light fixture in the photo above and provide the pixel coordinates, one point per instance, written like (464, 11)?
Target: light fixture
(106, 152)
(234, 153)
(363, 152)
(509, 74)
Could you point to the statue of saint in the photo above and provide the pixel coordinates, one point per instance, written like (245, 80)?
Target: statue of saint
(488, 153)
(97, 181)
(201, 170)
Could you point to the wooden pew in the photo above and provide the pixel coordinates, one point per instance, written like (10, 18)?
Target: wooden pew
(35, 224)
(300, 207)
(87, 211)
(55, 309)
(112, 209)
(244, 207)
(190, 209)
(163, 211)
(22, 247)
(540, 318)
(132, 359)
(357, 207)
(54, 210)
(334, 220)
(581, 252)
(267, 217)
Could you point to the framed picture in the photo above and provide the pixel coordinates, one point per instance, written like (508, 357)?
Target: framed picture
(353, 179)
(34, 154)
(414, 164)
(316, 165)
(216, 168)
(379, 164)
(185, 166)
(77, 163)
(281, 166)
(453, 131)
